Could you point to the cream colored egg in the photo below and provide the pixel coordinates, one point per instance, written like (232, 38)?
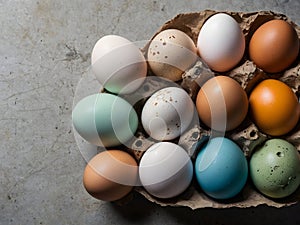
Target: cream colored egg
(118, 64)
(170, 53)
(167, 113)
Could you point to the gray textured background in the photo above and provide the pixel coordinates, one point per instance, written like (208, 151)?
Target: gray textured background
(44, 49)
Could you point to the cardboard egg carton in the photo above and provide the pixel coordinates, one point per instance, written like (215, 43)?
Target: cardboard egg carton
(247, 135)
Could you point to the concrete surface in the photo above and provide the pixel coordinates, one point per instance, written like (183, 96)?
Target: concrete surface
(44, 49)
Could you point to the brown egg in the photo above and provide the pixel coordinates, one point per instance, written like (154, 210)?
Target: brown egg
(274, 46)
(222, 104)
(110, 175)
(274, 107)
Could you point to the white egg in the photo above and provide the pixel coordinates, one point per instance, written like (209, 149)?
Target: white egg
(167, 113)
(165, 170)
(118, 64)
(221, 42)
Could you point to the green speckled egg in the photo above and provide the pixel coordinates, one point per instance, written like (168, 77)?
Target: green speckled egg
(275, 168)
(104, 119)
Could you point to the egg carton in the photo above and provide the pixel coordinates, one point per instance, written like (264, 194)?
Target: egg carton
(247, 135)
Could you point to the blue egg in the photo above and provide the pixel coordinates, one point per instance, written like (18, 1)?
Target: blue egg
(221, 168)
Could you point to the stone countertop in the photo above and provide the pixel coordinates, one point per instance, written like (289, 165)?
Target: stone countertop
(45, 48)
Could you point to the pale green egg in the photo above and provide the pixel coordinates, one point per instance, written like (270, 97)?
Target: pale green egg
(105, 120)
(275, 168)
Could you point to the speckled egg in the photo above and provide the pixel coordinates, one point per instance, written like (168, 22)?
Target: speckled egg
(170, 53)
(167, 113)
(275, 168)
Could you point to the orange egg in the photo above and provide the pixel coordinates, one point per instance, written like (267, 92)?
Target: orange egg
(274, 46)
(274, 107)
(222, 104)
(110, 175)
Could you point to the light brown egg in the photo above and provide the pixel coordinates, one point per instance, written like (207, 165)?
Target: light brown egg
(274, 46)
(170, 53)
(110, 175)
(222, 104)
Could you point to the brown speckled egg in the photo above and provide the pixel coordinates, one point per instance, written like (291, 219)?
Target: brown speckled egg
(110, 175)
(222, 104)
(170, 53)
(274, 46)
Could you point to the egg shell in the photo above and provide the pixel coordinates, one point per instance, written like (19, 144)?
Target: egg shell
(165, 170)
(221, 42)
(275, 168)
(98, 119)
(110, 175)
(170, 53)
(221, 168)
(274, 107)
(222, 104)
(274, 46)
(167, 113)
(118, 64)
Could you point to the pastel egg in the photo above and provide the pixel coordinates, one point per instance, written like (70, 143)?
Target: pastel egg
(221, 168)
(104, 119)
(275, 168)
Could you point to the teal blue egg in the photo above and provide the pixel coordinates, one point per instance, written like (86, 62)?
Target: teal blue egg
(275, 168)
(221, 168)
(105, 120)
